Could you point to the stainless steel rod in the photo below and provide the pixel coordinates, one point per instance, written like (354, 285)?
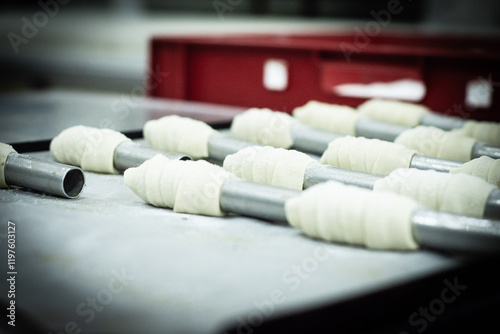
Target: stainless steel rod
(440, 165)
(442, 121)
(45, 176)
(221, 145)
(130, 154)
(369, 128)
(481, 149)
(255, 200)
(311, 140)
(492, 207)
(453, 233)
(318, 173)
(431, 229)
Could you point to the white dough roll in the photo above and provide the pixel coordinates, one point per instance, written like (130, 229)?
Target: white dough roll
(393, 111)
(264, 126)
(459, 194)
(434, 142)
(179, 134)
(484, 167)
(269, 165)
(486, 132)
(367, 155)
(329, 117)
(5, 150)
(335, 212)
(184, 186)
(90, 148)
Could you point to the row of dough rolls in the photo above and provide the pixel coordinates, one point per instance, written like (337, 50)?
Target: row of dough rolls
(195, 187)
(380, 157)
(329, 211)
(272, 128)
(411, 114)
(455, 193)
(452, 145)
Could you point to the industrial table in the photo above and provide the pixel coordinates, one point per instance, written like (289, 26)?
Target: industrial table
(108, 262)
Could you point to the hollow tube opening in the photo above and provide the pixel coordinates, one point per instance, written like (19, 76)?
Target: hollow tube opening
(73, 183)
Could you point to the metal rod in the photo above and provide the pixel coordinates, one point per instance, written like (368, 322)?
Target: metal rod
(481, 149)
(255, 200)
(130, 154)
(369, 128)
(318, 173)
(311, 140)
(492, 207)
(46, 176)
(430, 229)
(455, 233)
(440, 165)
(221, 145)
(442, 121)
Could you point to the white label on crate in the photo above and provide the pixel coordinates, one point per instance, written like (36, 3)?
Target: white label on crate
(479, 93)
(275, 76)
(404, 89)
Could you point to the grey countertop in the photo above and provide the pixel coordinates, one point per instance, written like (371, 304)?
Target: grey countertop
(108, 262)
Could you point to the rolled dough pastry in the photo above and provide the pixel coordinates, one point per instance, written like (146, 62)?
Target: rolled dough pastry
(185, 186)
(269, 165)
(179, 134)
(5, 150)
(484, 167)
(367, 155)
(90, 148)
(336, 212)
(487, 132)
(434, 142)
(392, 111)
(459, 194)
(264, 126)
(328, 117)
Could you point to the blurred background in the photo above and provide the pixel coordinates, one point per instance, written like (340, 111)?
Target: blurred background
(103, 45)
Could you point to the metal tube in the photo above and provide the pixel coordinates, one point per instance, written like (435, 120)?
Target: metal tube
(130, 154)
(481, 149)
(492, 207)
(369, 128)
(442, 121)
(430, 229)
(255, 200)
(46, 176)
(318, 173)
(311, 140)
(455, 233)
(440, 165)
(220, 146)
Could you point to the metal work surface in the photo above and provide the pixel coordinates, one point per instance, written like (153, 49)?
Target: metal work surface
(108, 262)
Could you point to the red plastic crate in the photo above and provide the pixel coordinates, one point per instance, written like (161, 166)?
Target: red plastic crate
(229, 69)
